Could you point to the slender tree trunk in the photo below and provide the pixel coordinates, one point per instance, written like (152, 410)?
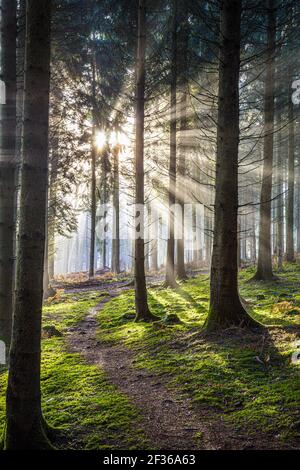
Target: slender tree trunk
(154, 238)
(25, 427)
(264, 265)
(298, 206)
(207, 235)
(51, 208)
(7, 167)
(181, 180)
(280, 227)
(141, 304)
(290, 252)
(116, 213)
(93, 209)
(225, 306)
(170, 261)
(93, 181)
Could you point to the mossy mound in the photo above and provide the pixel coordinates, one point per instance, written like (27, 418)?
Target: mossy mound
(171, 319)
(49, 331)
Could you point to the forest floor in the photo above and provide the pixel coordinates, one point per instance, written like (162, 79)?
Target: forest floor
(111, 383)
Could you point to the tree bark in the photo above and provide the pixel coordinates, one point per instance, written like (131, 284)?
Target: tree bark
(264, 265)
(225, 306)
(141, 303)
(93, 181)
(116, 212)
(170, 261)
(25, 428)
(154, 238)
(7, 167)
(279, 215)
(181, 180)
(290, 251)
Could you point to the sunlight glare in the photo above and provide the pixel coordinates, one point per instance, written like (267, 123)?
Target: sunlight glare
(100, 140)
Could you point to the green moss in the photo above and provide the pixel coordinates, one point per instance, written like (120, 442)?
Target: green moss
(77, 397)
(247, 378)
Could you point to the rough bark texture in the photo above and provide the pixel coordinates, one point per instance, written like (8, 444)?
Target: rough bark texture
(7, 167)
(141, 304)
(264, 265)
(25, 427)
(170, 261)
(290, 252)
(116, 208)
(225, 306)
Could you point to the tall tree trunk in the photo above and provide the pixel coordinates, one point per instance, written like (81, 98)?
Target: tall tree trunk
(290, 252)
(51, 208)
(298, 205)
(93, 180)
(7, 167)
(170, 261)
(279, 215)
(25, 427)
(264, 265)
(181, 180)
(225, 306)
(141, 303)
(116, 212)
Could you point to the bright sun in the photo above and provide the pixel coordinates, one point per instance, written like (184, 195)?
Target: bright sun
(100, 140)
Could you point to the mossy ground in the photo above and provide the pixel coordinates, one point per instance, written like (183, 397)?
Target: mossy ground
(77, 397)
(248, 378)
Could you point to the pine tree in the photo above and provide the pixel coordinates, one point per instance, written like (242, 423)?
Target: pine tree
(225, 305)
(25, 426)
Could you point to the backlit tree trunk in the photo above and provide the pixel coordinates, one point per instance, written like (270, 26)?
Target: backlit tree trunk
(181, 180)
(25, 427)
(170, 262)
(225, 306)
(93, 181)
(116, 213)
(290, 252)
(141, 304)
(264, 265)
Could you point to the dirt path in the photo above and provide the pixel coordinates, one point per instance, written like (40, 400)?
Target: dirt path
(169, 419)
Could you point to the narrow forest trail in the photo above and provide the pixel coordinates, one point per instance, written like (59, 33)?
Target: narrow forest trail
(168, 418)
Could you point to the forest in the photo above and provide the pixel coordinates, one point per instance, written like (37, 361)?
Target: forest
(150, 226)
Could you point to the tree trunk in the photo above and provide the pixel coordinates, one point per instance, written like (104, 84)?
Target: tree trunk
(181, 180)
(93, 179)
(154, 238)
(290, 252)
(116, 213)
(141, 303)
(7, 167)
(264, 265)
(25, 427)
(225, 306)
(170, 261)
(279, 215)
(298, 206)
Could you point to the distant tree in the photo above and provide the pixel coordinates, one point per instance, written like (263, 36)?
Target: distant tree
(264, 263)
